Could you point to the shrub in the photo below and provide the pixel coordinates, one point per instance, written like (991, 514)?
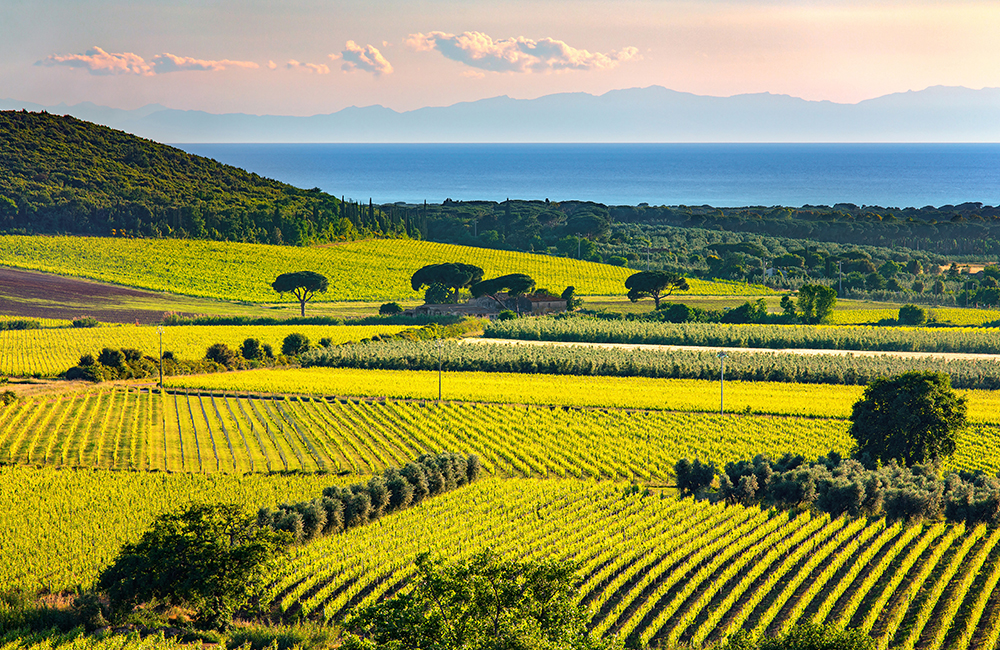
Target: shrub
(111, 358)
(325, 342)
(912, 315)
(390, 308)
(294, 344)
(251, 350)
(85, 321)
(221, 354)
(693, 477)
(506, 314)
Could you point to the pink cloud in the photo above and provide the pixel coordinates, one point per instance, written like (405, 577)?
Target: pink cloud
(318, 68)
(518, 54)
(169, 63)
(367, 59)
(98, 62)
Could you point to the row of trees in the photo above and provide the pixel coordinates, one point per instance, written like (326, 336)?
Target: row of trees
(392, 490)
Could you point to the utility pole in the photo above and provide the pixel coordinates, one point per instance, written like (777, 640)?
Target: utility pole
(159, 330)
(722, 386)
(840, 275)
(439, 345)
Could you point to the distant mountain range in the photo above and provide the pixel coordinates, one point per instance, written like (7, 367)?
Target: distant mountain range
(653, 114)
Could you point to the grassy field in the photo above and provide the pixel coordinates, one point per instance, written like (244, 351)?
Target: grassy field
(370, 270)
(50, 351)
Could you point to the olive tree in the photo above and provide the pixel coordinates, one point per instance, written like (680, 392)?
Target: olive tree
(912, 418)
(301, 284)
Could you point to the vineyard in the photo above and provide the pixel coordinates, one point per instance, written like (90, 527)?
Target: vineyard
(661, 570)
(625, 360)
(362, 270)
(234, 433)
(50, 351)
(908, 339)
(60, 527)
(694, 395)
(231, 432)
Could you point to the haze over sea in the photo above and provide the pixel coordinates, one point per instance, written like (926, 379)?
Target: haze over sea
(723, 175)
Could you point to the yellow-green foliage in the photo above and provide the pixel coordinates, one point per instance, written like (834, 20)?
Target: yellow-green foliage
(137, 429)
(774, 398)
(955, 316)
(60, 527)
(50, 351)
(658, 570)
(232, 433)
(79, 640)
(363, 270)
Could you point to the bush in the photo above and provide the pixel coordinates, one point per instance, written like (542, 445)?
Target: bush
(294, 344)
(111, 358)
(692, 477)
(85, 321)
(912, 315)
(390, 308)
(221, 354)
(251, 350)
(506, 314)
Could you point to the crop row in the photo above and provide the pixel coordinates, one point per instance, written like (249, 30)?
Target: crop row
(656, 569)
(363, 270)
(594, 359)
(699, 395)
(48, 352)
(232, 432)
(843, 337)
(79, 640)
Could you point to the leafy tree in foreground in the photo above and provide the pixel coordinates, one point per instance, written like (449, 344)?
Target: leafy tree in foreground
(653, 284)
(301, 284)
(486, 602)
(452, 275)
(210, 557)
(912, 418)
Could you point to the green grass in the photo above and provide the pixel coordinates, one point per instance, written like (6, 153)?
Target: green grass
(364, 270)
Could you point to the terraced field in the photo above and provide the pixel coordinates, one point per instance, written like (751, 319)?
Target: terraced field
(658, 570)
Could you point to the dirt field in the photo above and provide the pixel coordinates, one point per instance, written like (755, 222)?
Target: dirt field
(43, 295)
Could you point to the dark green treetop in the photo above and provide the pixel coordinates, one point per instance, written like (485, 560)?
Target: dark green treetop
(453, 275)
(654, 284)
(911, 418)
(301, 284)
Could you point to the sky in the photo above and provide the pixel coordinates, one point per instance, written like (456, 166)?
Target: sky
(306, 57)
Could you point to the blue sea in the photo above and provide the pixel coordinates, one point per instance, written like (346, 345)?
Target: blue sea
(723, 175)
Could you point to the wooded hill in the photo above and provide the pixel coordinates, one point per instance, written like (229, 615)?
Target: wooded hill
(59, 174)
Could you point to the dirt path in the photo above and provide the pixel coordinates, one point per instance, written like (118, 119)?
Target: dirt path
(945, 356)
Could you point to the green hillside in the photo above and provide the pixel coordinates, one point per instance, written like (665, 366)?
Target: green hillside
(59, 174)
(360, 270)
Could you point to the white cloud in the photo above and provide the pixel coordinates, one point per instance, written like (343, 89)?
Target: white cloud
(518, 54)
(166, 62)
(318, 68)
(366, 58)
(98, 62)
